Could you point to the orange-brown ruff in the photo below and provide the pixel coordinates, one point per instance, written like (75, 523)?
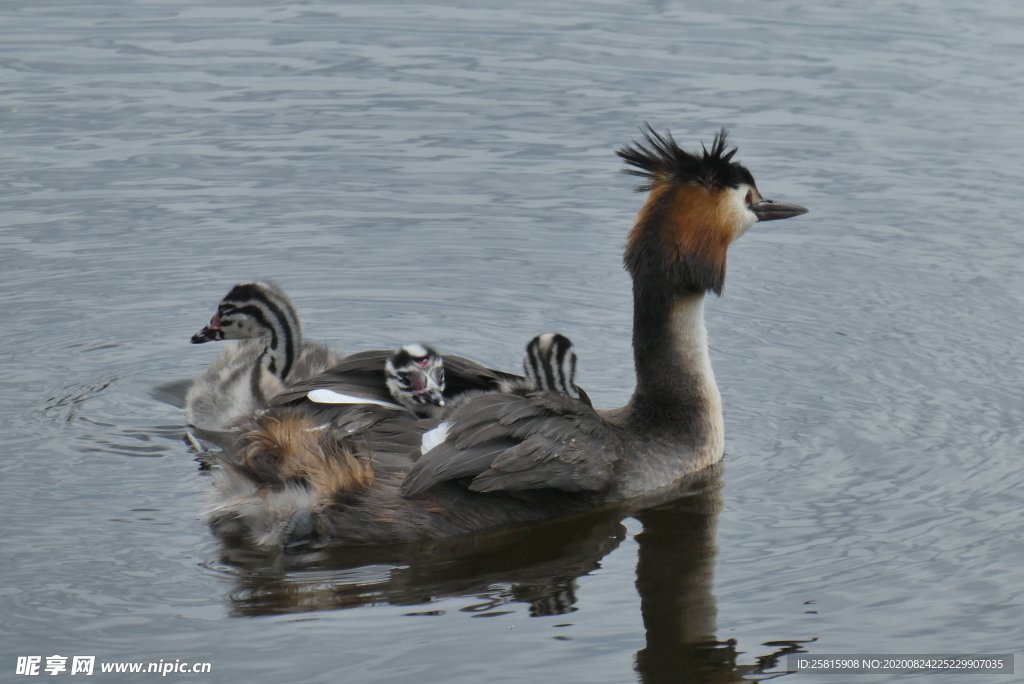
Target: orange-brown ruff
(504, 458)
(698, 229)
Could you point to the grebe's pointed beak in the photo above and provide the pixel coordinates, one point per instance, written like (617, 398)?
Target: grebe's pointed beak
(207, 334)
(435, 392)
(768, 210)
(210, 332)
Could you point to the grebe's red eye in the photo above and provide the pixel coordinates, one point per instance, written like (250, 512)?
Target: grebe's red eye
(750, 197)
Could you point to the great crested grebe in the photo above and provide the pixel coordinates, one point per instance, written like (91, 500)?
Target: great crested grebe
(509, 458)
(270, 353)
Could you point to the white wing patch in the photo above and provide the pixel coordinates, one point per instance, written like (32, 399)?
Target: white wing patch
(434, 437)
(326, 396)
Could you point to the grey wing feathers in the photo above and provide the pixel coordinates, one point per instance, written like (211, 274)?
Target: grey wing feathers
(462, 375)
(469, 463)
(513, 443)
(389, 437)
(362, 374)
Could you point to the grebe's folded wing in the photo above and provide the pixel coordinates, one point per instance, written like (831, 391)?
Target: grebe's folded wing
(464, 375)
(389, 437)
(362, 375)
(503, 442)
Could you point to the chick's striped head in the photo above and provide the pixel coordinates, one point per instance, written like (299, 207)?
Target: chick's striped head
(248, 311)
(415, 378)
(550, 364)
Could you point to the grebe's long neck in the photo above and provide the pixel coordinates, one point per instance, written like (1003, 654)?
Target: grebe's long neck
(283, 335)
(676, 394)
(283, 344)
(675, 383)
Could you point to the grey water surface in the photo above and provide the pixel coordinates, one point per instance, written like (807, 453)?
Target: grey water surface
(445, 173)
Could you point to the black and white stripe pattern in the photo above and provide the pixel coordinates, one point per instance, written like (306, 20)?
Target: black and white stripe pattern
(268, 355)
(415, 377)
(550, 364)
(254, 310)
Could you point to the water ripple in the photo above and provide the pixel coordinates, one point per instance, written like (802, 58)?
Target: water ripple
(416, 171)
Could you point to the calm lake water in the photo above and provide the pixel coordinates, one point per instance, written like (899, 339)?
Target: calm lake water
(443, 172)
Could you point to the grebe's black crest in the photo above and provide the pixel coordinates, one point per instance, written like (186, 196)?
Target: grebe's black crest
(659, 158)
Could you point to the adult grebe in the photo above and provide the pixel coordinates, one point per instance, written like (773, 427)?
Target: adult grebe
(508, 458)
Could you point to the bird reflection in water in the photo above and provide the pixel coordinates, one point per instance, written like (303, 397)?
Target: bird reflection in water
(538, 566)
